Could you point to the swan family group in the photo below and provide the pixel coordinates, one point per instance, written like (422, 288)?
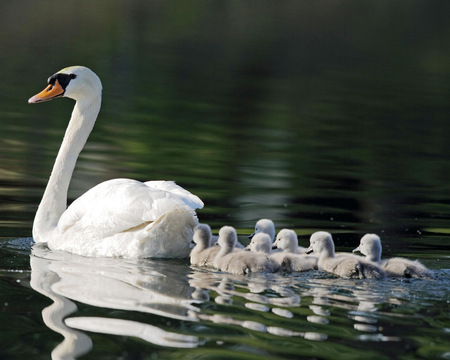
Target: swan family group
(132, 219)
(269, 253)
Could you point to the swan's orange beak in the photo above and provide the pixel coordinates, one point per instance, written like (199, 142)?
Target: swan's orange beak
(50, 92)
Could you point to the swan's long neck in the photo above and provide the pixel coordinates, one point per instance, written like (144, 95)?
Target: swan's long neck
(54, 200)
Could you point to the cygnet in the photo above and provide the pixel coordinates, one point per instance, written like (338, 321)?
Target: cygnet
(260, 243)
(291, 256)
(239, 262)
(215, 239)
(287, 241)
(370, 246)
(345, 266)
(203, 253)
(287, 261)
(265, 226)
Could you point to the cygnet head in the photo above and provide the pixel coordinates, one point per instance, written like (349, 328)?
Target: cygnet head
(265, 226)
(260, 243)
(287, 241)
(75, 82)
(321, 242)
(370, 246)
(202, 235)
(227, 238)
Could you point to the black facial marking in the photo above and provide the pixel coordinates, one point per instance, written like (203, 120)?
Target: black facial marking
(63, 79)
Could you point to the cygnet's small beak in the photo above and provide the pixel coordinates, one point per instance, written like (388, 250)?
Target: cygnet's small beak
(356, 250)
(274, 247)
(251, 235)
(247, 248)
(309, 250)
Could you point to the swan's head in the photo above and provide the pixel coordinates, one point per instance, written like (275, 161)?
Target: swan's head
(265, 226)
(261, 242)
(321, 242)
(286, 241)
(202, 235)
(75, 82)
(370, 246)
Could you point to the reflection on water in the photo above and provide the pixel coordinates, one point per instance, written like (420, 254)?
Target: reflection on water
(361, 303)
(150, 287)
(75, 343)
(107, 283)
(170, 305)
(111, 283)
(224, 285)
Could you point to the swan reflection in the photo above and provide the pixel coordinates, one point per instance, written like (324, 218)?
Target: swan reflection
(75, 343)
(159, 288)
(254, 290)
(168, 289)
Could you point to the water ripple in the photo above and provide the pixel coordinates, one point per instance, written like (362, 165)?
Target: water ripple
(170, 304)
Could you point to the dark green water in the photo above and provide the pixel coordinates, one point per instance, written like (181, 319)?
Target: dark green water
(326, 115)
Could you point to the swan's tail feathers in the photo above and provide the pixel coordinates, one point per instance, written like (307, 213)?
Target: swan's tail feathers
(170, 235)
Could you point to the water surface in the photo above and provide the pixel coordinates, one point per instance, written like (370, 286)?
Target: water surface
(68, 305)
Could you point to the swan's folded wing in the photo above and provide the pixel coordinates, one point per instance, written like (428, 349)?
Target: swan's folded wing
(188, 198)
(120, 205)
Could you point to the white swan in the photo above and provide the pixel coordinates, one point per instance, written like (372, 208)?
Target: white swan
(370, 246)
(287, 261)
(239, 262)
(265, 226)
(287, 241)
(119, 217)
(345, 265)
(203, 253)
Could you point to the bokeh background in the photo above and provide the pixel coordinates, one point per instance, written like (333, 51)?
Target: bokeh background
(319, 115)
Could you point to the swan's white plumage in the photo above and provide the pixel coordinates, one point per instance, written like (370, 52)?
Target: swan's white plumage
(119, 217)
(119, 205)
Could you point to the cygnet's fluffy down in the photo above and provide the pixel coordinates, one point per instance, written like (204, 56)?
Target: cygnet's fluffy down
(203, 254)
(265, 226)
(287, 241)
(260, 243)
(291, 256)
(215, 239)
(239, 262)
(370, 246)
(322, 244)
